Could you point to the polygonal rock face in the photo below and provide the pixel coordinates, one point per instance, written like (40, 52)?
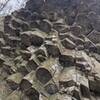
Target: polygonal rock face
(60, 26)
(16, 23)
(13, 41)
(25, 38)
(59, 96)
(32, 65)
(15, 95)
(41, 54)
(94, 85)
(36, 40)
(37, 5)
(45, 26)
(95, 20)
(84, 22)
(51, 88)
(4, 90)
(29, 38)
(98, 48)
(94, 36)
(43, 79)
(11, 30)
(25, 85)
(50, 50)
(76, 30)
(66, 60)
(68, 44)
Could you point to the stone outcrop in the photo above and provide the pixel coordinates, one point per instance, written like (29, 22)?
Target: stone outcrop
(50, 50)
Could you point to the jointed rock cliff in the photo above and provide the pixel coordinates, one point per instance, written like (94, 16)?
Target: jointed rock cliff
(50, 50)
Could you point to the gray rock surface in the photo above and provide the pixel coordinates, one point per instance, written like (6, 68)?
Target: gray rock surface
(50, 50)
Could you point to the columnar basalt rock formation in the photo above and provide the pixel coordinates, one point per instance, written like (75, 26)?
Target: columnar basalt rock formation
(50, 50)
